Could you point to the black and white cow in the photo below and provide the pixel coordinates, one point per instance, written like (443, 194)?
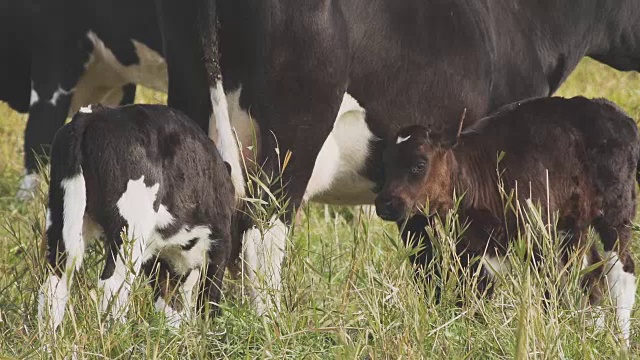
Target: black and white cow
(150, 170)
(288, 64)
(56, 56)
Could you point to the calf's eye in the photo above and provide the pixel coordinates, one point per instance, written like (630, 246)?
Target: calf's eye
(419, 167)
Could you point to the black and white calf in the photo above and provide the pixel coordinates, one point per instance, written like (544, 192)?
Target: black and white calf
(59, 55)
(150, 170)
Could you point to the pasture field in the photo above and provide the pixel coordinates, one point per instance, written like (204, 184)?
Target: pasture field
(349, 291)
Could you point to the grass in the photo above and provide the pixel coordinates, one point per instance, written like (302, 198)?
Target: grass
(349, 292)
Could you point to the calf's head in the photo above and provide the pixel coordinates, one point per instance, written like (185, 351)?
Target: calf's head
(417, 167)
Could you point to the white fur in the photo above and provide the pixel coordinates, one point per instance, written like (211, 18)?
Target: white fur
(163, 217)
(136, 207)
(174, 318)
(34, 96)
(75, 201)
(402, 139)
(336, 177)
(170, 248)
(57, 94)
(48, 222)
(54, 295)
(263, 254)
(86, 109)
(247, 130)
(28, 187)
(495, 266)
(115, 290)
(224, 137)
(622, 288)
(187, 289)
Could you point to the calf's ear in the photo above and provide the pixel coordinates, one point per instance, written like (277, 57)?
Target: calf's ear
(228, 166)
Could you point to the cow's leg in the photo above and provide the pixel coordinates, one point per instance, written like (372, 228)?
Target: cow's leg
(188, 78)
(48, 111)
(135, 211)
(65, 244)
(307, 76)
(263, 252)
(128, 94)
(57, 63)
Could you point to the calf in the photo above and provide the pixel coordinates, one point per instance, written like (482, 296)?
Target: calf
(590, 149)
(150, 170)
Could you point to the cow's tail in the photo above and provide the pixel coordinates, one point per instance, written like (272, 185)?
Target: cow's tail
(221, 131)
(67, 195)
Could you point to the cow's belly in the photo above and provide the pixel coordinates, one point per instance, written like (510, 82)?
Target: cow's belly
(104, 75)
(337, 175)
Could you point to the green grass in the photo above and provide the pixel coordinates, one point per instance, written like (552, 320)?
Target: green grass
(348, 289)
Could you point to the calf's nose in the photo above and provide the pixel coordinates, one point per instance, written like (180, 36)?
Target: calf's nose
(384, 208)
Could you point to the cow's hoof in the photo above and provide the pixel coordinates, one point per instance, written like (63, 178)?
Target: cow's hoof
(28, 187)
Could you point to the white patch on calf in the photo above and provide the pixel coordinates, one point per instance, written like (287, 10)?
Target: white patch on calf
(75, 202)
(187, 290)
(163, 217)
(115, 290)
(174, 318)
(495, 266)
(28, 187)
(263, 255)
(224, 137)
(136, 207)
(622, 288)
(336, 177)
(86, 109)
(54, 295)
(402, 139)
(171, 250)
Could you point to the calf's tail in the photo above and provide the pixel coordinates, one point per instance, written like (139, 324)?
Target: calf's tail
(67, 196)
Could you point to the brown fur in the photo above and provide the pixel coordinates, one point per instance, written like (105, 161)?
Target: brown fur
(589, 148)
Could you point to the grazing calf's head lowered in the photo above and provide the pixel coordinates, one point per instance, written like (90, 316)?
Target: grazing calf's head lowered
(418, 171)
(150, 170)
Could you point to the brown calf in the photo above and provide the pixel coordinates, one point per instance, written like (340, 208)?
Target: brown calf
(589, 148)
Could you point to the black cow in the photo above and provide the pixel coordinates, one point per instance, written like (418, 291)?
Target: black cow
(151, 170)
(56, 56)
(288, 64)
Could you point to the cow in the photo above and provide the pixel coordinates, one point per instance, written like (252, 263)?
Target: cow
(287, 65)
(150, 170)
(576, 157)
(56, 56)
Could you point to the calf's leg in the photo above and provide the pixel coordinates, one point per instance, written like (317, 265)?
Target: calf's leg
(619, 270)
(65, 244)
(124, 259)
